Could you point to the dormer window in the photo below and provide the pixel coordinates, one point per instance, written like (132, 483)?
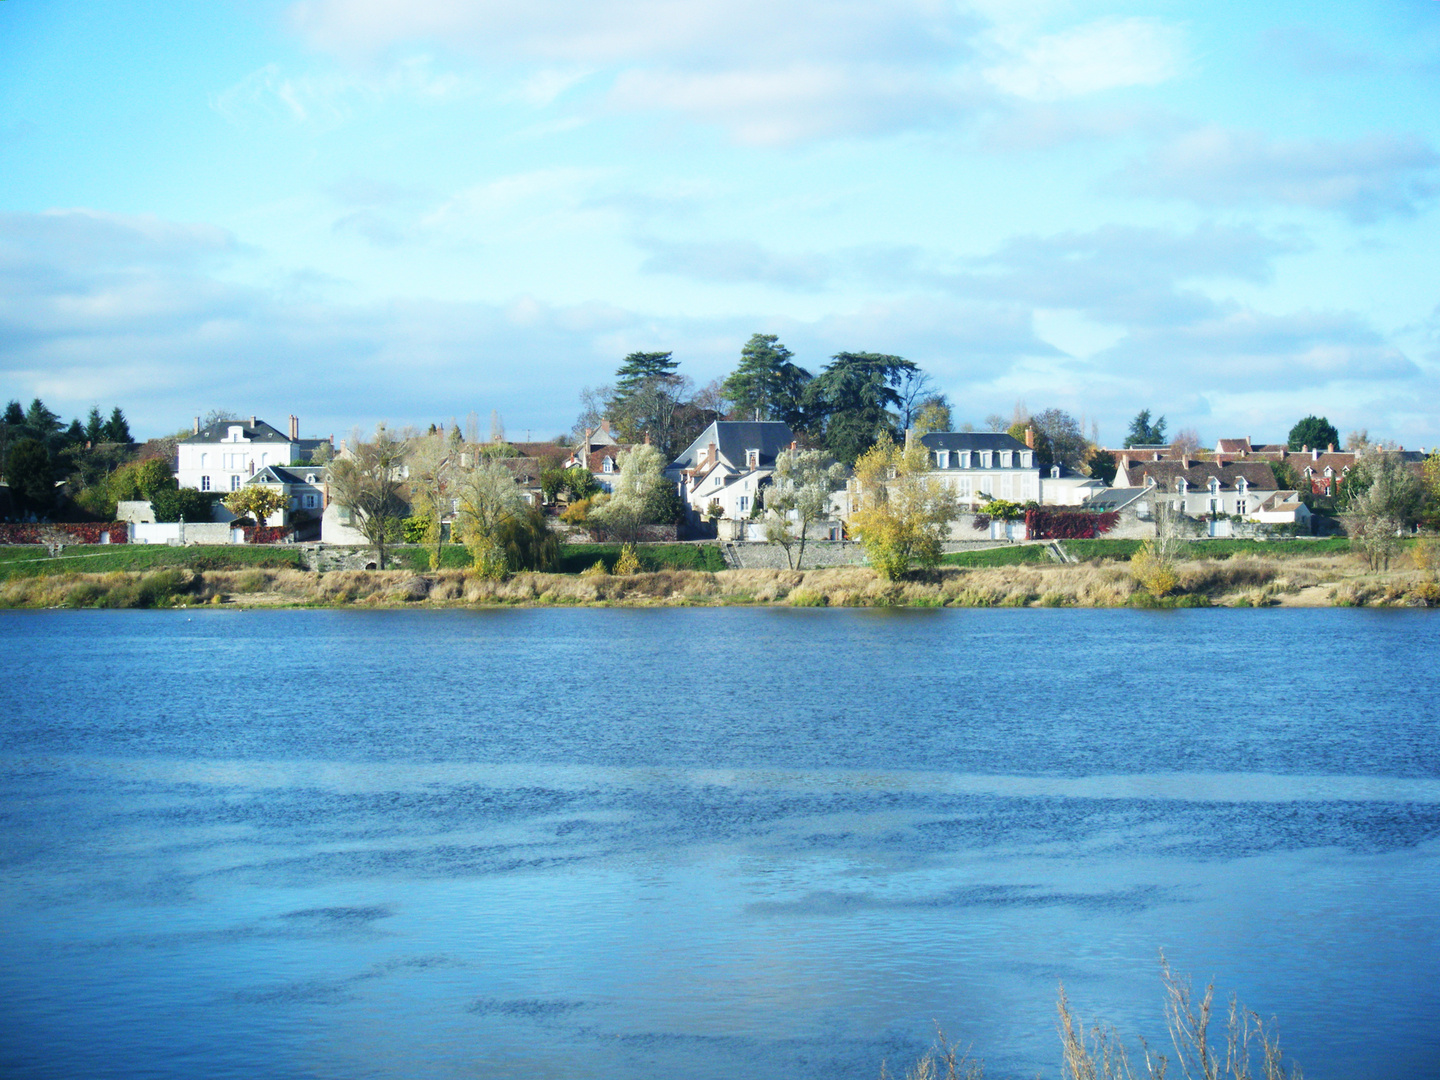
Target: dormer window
(1241, 485)
(1182, 485)
(965, 459)
(1054, 472)
(987, 459)
(752, 459)
(1027, 459)
(607, 464)
(1214, 485)
(942, 459)
(235, 434)
(1007, 458)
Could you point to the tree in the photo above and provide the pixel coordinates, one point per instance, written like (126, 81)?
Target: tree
(1314, 433)
(933, 415)
(31, 475)
(41, 423)
(431, 463)
(767, 385)
(593, 402)
(117, 428)
(1103, 466)
(851, 401)
(141, 480)
(1144, 433)
(489, 502)
(367, 481)
(94, 426)
(1381, 496)
(74, 435)
(1186, 443)
(14, 414)
(256, 501)
(904, 515)
(641, 495)
(995, 422)
(497, 427)
(799, 496)
(648, 395)
(174, 502)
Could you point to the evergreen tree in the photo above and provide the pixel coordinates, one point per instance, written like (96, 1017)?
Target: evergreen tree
(851, 402)
(74, 434)
(648, 396)
(1144, 433)
(41, 423)
(117, 428)
(94, 426)
(1314, 432)
(14, 414)
(31, 475)
(767, 385)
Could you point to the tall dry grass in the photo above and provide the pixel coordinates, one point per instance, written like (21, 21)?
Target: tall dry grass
(1242, 1046)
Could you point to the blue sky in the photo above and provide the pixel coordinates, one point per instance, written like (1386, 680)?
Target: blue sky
(357, 210)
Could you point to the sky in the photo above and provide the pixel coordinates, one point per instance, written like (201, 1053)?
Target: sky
(409, 210)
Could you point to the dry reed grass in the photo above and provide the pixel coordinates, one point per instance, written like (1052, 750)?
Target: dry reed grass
(1244, 580)
(1247, 1048)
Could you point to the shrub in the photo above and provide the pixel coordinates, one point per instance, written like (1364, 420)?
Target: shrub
(629, 562)
(595, 569)
(808, 598)
(1156, 575)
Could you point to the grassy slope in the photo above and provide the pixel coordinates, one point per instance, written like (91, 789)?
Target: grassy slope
(577, 557)
(27, 561)
(1094, 550)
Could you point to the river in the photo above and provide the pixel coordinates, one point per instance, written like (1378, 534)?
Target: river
(707, 843)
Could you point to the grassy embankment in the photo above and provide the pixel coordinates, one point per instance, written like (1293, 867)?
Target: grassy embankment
(1224, 572)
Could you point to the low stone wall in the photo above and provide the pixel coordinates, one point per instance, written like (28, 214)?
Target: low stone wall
(820, 553)
(174, 532)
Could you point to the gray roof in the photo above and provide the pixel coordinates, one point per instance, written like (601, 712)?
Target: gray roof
(734, 437)
(257, 432)
(972, 440)
(1197, 474)
(1115, 498)
(281, 474)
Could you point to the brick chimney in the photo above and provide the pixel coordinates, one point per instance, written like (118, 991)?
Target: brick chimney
(254, 421)
(197, 425)
(1030, 437)
(712, 453)
(294, 428)
(1332, 448)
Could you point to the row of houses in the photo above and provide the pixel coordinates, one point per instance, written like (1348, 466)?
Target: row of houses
(723, 473)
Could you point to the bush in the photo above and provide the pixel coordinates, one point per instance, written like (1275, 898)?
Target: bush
(1157, 576)
(628, 563)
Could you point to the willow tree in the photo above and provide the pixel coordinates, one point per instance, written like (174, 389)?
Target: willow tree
(490, 503)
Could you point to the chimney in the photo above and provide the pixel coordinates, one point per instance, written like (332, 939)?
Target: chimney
(1185, 461)
(253, 421)
(1314, 455)
(1332, 448)
(1030, 437)
(605, 427)
(1156, 456)
(647, 438)
(197, 425)
(794, 445)
(294, 428)
(711, 453)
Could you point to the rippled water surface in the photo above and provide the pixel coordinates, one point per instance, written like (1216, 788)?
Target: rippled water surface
(707, 843)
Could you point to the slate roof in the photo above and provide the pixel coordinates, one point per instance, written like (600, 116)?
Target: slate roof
(282, 474)
(734, 437)
(257, 432)
(971, 440)
(1257, 474)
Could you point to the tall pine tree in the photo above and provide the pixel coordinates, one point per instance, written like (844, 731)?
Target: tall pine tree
(768, 385)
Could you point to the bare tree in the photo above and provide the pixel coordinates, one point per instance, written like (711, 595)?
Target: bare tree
(368, 481)
(472, 427)
(592, 409)
(915, 389)
(996, 422)
(497, 427)
(1186, 444)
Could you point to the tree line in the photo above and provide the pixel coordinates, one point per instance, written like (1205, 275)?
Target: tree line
(38, 451)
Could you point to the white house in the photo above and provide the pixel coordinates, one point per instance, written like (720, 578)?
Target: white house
(982, 465)
(226, 454)
(303, 486)
(1243, 489)
(727, 465)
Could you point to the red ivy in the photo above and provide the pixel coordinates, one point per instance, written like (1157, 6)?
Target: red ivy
(80, 532)
(266, 534)
(1047, 524)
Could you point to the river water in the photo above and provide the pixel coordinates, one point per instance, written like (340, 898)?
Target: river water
(708, 843)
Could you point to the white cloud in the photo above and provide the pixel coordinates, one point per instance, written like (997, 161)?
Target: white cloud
(1103, 55)
(328, 99)
(1363, 178)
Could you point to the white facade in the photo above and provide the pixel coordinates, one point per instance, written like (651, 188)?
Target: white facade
(980, 466)
(224, 455)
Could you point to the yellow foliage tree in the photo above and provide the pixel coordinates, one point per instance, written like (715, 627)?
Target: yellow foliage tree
(255, 501)
(904, 514)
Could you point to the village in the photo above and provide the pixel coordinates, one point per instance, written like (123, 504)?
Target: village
(861, 465)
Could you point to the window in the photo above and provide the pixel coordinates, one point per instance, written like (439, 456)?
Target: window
(234, 483)
(1240, 506)
(752, 459)
(942, 459)
(744, 503)
(1007, 459)
(607, 465)
(986, 458)
(1027, 459)
(309, 502)
(204, 483)
(964, 459)
(1214, 506)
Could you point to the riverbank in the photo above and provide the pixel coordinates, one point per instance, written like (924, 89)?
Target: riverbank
(1316, 580)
